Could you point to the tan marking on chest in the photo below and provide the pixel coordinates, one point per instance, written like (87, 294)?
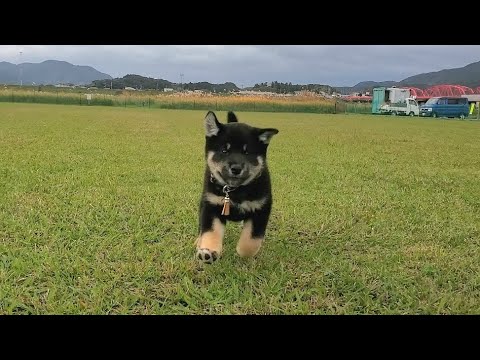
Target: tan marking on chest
(244, 206)
(250, 206)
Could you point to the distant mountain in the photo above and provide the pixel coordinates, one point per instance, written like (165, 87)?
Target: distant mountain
(147, 83)
(49, 72)
(61, 72)
(468, 75)
(364, 86)
(8, 73)
(372, 84)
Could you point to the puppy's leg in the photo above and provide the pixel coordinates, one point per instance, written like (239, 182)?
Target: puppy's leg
(253, 234)
(210, 241)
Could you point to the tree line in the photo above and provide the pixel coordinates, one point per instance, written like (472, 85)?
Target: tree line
(146, 83)
(289, 88)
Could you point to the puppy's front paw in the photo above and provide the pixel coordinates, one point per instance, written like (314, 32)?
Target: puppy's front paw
(207, 256)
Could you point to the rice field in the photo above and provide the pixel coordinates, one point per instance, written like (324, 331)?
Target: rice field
(185, 101)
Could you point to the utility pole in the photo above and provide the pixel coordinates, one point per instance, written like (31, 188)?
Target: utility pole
(21, 69)
(181, 81)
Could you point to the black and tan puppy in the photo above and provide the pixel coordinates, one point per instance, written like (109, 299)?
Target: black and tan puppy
(236, 186)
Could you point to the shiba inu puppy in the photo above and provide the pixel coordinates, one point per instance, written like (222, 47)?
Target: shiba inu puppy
(236, 186)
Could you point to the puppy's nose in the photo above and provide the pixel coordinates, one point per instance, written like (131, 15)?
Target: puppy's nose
(236, 169)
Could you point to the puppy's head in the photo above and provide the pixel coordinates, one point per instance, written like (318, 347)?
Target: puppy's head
(236, 153)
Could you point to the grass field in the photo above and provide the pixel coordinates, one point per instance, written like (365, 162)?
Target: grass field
(371, 215)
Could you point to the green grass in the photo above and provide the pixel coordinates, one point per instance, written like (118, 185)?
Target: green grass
(371, 215)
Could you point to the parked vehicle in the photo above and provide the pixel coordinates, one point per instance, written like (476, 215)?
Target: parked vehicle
(446, 106)
(407, 107)
(386, 96)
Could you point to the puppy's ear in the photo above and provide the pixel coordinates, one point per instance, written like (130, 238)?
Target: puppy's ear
(265, 135)
(231, 117)
(212, 126)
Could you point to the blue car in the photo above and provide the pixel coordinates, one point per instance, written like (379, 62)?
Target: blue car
(446, 106)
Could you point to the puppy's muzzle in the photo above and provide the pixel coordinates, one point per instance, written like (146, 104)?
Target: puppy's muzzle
(236, 170)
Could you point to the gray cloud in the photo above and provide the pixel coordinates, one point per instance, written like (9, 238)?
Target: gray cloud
(337, 65)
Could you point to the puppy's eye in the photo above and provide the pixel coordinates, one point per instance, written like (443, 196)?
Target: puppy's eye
(225, 148)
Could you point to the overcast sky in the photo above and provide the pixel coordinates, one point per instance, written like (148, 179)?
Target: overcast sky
(245, 65)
